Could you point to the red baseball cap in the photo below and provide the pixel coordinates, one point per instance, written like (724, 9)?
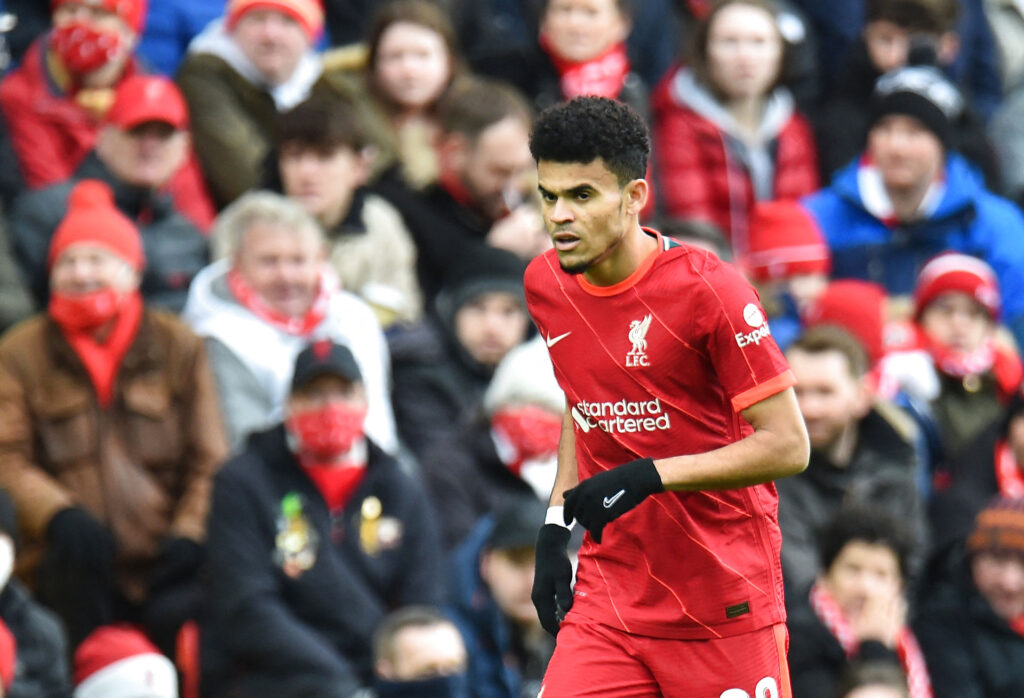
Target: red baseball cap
(144, 98)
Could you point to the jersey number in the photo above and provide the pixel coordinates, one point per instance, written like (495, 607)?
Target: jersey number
(766, 688)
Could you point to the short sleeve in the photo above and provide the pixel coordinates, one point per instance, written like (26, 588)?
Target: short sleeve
(746, 358)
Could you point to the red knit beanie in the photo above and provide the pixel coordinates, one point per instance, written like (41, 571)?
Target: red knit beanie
(93, 219)
(999, 527)
(784, 241)
(133, 12)
(952, 271)
(857, 306)
(308, 13)
(119, 661)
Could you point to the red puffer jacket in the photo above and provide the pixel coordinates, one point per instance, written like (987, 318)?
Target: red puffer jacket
(51, 135)
(700, 178)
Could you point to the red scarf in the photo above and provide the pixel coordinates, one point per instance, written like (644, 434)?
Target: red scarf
(336, 483)
(907, 649)
(301, 326)
(102, 359)
(1004, 365)
(1008, 473)
(1018, 625)
(602, 76)
(530, 432)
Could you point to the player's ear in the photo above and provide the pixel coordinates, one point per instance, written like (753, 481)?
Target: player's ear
(635, 196)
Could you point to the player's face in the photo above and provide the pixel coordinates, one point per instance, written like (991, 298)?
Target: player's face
(863, 573)
(585, 212)
(957, 321)
(830, 398)
(999, 576)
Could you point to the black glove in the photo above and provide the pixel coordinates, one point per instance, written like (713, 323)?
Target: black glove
(610, 494)
(552, 593)
(75, 540)
(178, 560)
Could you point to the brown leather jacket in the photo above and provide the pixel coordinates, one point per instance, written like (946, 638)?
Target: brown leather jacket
(143, 466)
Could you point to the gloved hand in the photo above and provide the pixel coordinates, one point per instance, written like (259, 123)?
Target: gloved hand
(178, 560)
(552, 593)
(610, 494)
(76, 540)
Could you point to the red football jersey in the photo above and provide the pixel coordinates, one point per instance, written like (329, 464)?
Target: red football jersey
(659, 365)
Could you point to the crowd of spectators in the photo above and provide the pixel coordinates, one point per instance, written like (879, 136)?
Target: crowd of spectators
(274, 420)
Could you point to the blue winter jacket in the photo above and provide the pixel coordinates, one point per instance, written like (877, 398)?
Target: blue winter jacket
(969, 219)
(484, 628)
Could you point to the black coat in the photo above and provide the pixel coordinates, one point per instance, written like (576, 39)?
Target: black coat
(971, 652)
(468, 480)
(442, 229)
(42, 667)
(438, 387)
(882, 470)
(296, 593)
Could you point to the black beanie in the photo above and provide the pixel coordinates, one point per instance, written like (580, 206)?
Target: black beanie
(479, 270)
(921, 92)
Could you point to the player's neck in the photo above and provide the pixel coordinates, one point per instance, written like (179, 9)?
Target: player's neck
(622, 259)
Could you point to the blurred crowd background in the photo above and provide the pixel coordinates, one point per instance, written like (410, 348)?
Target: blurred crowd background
(274, 420)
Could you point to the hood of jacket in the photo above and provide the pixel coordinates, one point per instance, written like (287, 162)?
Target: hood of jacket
(963, 184)
(217, 41)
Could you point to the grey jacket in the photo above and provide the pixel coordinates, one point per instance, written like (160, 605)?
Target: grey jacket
(175, 249)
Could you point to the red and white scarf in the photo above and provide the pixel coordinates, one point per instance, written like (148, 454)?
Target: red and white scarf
(301, 325)
(602, 76)
(1004, 364)
(909, 653)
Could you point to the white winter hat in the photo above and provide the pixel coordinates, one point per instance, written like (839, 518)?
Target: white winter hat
(525, 377)
(118, 661)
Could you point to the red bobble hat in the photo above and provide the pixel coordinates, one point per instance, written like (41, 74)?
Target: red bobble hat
(118, 661)
(858, 307)
(308, 13)
(952, 271)
(784, 241)
(133, 12)
(93, 219)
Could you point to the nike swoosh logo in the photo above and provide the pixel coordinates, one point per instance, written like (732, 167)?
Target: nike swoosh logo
(609, 502)
(552, 341)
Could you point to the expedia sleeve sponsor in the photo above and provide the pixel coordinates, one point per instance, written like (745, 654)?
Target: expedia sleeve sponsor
(621, 417)
(744, 339)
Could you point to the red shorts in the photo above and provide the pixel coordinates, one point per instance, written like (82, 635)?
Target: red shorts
(594, 660)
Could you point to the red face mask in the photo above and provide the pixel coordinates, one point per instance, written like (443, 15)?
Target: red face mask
(86, 311)
(82, 48)
(327, 432)
(532, 431)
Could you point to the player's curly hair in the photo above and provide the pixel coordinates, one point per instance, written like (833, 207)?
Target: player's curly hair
(587, 128)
